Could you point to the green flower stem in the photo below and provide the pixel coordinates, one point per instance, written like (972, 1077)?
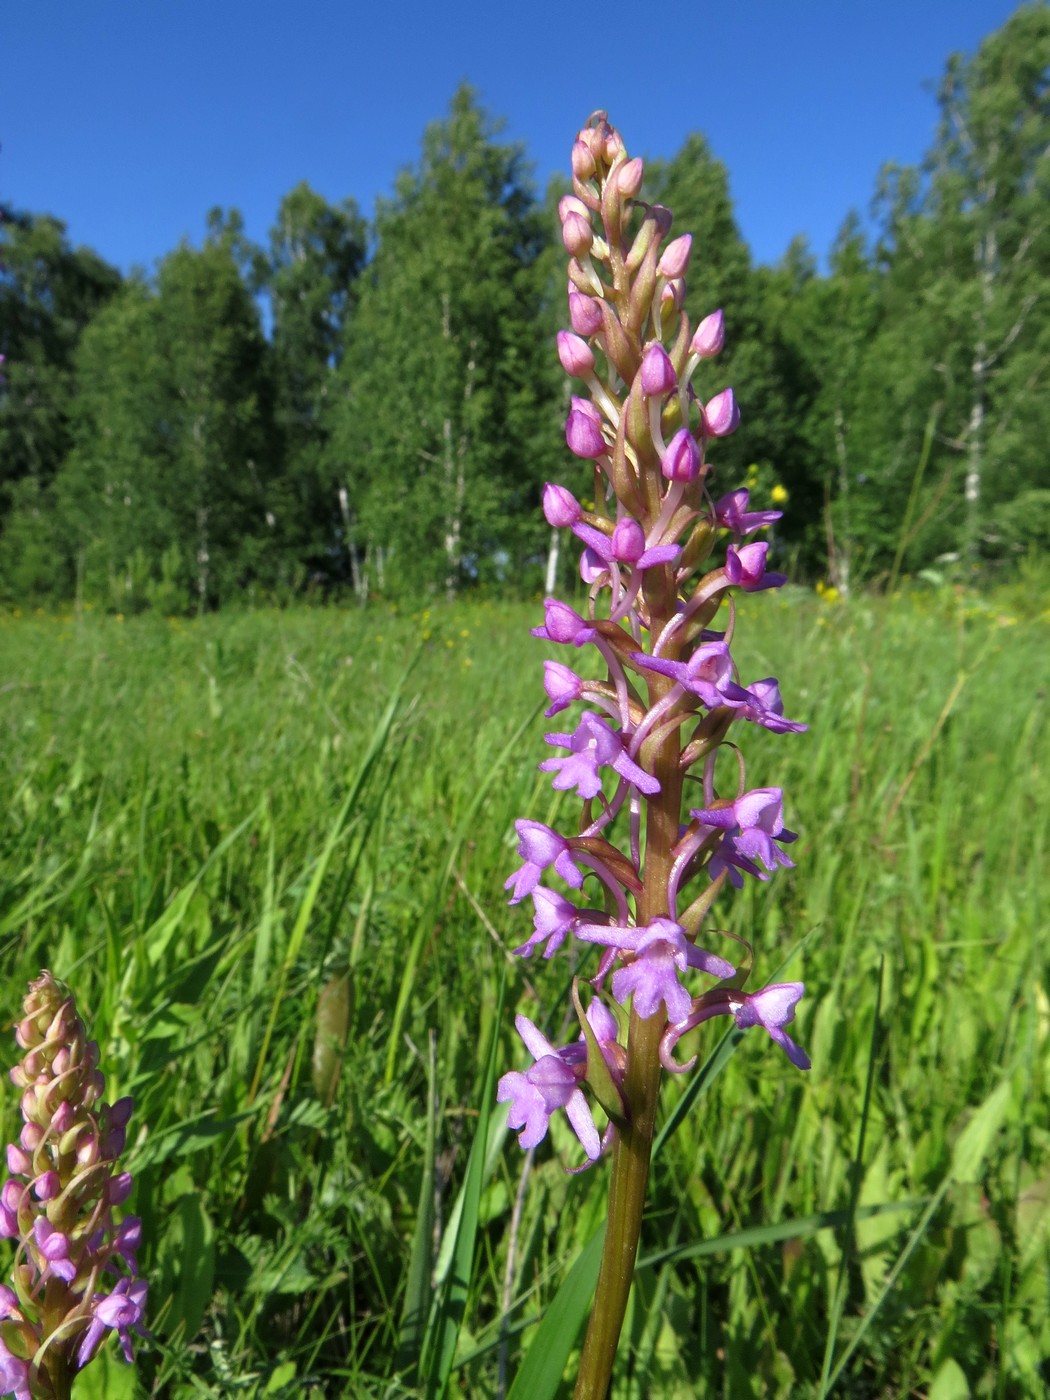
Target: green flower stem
(634, 1143)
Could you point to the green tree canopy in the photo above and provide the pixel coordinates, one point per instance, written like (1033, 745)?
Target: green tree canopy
(438, 386)
(175, 446)
(48, 292)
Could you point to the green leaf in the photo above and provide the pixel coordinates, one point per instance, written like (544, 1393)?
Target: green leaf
(540, 1374)
(187, 1256)
(974, 1142)
(949, 1383)
(443, 1334)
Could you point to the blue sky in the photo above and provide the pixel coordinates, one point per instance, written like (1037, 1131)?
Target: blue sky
(129, 119)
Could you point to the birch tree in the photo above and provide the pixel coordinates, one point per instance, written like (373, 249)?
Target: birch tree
(436, 392)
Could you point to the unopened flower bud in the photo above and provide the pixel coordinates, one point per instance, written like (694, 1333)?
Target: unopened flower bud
(629, 177)
(31, 1136)
(675, 257)
(118, 1189)
(47, 1186)
(19, 1163)
(628, 541)
(562, 686)
(583, 166)
(672, 296)
(658, 376)
(583, 430)
(570, 204)
(592, 140)
(576, 234)
(681, 461)
(560, 507)
(585, 313)
(62, 1118)
(576, 356)
(563, 624)
(88, 1147)
(721, 415)
(710, 336)
(746, 567)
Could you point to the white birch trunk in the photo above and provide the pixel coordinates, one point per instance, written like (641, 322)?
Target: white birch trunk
(553, 553)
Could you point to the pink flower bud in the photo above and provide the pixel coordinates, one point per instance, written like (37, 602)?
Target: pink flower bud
(675, 258)
(710, 336)
(628, 541)
(47, 1186)
(613, 144)
(721, 415)
(681, 461)
(19, 1163)
(672, 296)
(585, 313)
(569, 204)
(562, 686)
(583, 166)
(576, 234)
(88, 1146)
(746, 567)
(560, 507)
(31, 1136)
(658, 376)
(118, 1189)
(11, 1194)
(563, 624)
(576, 356)
(591, 139)
(62, 1118)
(583, 430)
(629, 177)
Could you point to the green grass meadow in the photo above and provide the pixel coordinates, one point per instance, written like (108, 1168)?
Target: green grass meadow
(267, 850)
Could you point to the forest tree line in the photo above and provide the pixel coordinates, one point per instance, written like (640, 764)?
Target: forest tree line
(375, 407)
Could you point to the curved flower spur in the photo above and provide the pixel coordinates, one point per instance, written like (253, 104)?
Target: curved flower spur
(662, 560)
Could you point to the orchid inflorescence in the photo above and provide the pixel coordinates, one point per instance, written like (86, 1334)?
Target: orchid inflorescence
(75, 1271)
(672, 691)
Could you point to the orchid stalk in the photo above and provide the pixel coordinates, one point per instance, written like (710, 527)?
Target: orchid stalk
(75, 1274)
(663, 560)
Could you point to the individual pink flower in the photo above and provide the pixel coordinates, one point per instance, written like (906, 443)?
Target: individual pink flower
(593, 746)
(662, 951)
(773, 1008)
(753, 826)
(540, 848)
(553, 1082)
(731, 513)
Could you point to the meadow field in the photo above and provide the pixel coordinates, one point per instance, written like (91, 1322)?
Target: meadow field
(267, 850)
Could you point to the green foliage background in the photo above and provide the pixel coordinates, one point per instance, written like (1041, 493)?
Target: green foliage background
(390, 430)
(272, 863)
